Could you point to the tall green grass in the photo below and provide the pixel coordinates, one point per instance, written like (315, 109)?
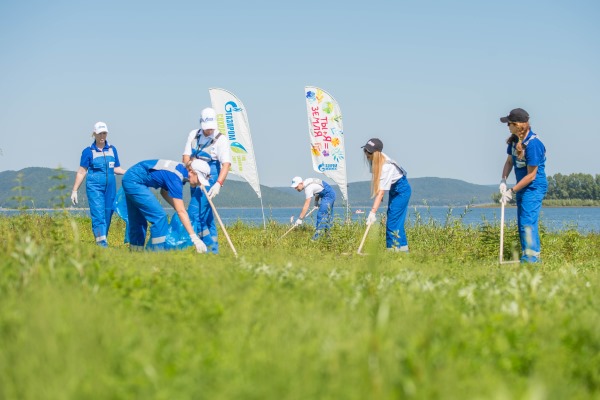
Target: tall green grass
(296, 319)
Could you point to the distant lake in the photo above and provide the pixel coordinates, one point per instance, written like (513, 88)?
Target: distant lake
(582, 219)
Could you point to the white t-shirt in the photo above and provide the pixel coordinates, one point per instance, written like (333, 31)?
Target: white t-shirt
(312, 186)
(389, 174)
(218, 151)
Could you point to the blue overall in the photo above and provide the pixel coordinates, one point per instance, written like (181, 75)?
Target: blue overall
(201, 214)
(398, 197)
(325, 213)
(142, 204)
(100, 187)
(529, 199)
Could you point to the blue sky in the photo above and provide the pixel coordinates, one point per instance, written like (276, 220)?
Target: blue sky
(429, 78)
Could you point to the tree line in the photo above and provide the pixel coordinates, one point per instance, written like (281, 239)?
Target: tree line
(573, 186)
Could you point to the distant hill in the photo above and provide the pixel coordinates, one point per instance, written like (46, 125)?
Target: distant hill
(38, 184)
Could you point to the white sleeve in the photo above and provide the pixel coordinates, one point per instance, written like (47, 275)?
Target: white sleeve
(387, 174)
(222, 150)
(187, 151)
(308, 192)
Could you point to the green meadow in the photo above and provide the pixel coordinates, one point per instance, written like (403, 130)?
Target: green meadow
(295, 319)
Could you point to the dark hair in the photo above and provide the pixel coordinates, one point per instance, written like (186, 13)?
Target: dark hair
(512, 139)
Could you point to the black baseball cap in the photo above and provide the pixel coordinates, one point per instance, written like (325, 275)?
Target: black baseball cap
(516, 115)
(373, 145)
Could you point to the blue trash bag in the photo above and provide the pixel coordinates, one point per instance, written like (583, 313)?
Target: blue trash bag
(177, 236)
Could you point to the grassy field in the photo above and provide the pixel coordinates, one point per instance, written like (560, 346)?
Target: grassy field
(294, 319)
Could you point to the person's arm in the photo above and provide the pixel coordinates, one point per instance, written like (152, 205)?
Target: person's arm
(120, 171)
(187, 150)
(527, 179)
(304, 209)
(224, 172)
(79, 177)
(508, 165)
(179, 207)
(168, 198)
(377, 200)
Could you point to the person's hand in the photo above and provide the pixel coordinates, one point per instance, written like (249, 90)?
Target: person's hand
(298, 222)
(371, 218)
(502, 186)
(506, 196)
(74, 199)
(214, 190)
(198, 243)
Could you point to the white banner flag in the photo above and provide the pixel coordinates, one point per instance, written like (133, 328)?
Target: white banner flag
(232, 121)
(326, 136)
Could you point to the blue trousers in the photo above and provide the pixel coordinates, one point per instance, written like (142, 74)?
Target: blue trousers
(143, 207)
(395, 235)
(325, 212)
(201, 214)
(101, 198)
(529, 205)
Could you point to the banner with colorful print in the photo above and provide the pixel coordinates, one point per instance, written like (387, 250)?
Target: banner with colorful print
(232, 121)
(326, 136)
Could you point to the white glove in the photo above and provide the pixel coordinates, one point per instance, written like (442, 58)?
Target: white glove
(74, 199)
(502, 186)
(506, 196)
(200, 246)
(298, 222)
(214, 190)
(371, 218)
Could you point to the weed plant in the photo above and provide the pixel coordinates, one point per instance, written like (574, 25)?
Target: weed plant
(296, 319)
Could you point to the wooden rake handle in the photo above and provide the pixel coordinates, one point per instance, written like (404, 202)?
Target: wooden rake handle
(219, 219)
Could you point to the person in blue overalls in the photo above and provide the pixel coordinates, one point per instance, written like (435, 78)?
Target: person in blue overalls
(324, 199)
(388, 176)
(100, 162)
(527, 155)
(143, 206)
(210, 145)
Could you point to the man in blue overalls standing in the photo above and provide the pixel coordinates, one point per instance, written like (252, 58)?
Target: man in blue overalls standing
(210, 145)
(527, 154)
(324, 198)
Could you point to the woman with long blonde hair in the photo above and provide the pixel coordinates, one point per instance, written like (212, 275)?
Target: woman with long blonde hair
(527, 155)
(388, 176)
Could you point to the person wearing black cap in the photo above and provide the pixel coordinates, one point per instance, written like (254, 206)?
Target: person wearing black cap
(388, 176)
(527, 155)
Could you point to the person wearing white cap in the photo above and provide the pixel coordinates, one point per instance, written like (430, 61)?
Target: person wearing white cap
(143, 207)
(324, 199)
(210, 145)
(388, 176)
(100, 162)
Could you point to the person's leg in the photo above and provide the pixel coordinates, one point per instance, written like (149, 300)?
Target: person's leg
(531, 205)
(395, 234)
(193, 209)
(136, 224)
(97, 201)
(208, 227)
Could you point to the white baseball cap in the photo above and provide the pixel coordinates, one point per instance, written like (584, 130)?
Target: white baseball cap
(208, 119)
(296, 181)
(100, 127)
(202, 169)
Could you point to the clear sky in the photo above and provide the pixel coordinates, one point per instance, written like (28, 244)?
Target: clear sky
(430, 78)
